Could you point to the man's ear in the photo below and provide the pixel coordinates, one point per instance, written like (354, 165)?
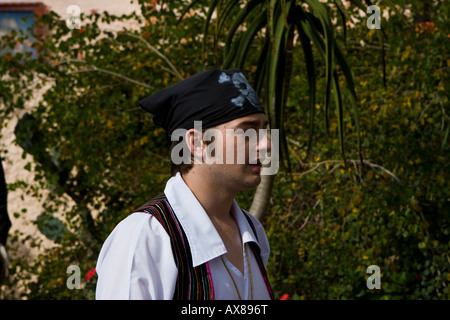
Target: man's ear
(195, 144)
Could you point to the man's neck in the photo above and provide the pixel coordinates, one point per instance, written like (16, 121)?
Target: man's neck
(216, 200)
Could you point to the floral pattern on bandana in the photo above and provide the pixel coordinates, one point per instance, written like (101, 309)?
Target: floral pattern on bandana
(246, 90)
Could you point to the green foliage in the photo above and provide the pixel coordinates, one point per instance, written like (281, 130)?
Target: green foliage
(330, 221)
(274, 25)
(51, 227)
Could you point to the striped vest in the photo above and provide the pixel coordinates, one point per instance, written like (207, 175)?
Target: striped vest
(193, 283)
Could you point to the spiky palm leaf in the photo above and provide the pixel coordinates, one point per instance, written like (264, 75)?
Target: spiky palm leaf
(280, 21)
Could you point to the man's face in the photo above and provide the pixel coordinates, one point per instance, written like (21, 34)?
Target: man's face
(242, 144)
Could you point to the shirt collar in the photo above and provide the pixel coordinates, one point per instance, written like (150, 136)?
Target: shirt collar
(204, 241)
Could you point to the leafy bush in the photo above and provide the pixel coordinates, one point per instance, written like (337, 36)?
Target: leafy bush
(100, 156)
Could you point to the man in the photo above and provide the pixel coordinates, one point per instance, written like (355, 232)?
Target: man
(193, 241)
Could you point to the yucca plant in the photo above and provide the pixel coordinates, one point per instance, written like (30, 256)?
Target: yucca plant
(285, 24)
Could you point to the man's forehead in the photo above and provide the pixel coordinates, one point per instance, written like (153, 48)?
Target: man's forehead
(213, 97)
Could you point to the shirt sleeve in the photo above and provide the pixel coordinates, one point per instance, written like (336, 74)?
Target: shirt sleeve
(136, 261)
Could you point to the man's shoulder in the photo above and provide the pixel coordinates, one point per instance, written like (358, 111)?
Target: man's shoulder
(257, 227)
(134, 230)
(133, 223)
(141, 219)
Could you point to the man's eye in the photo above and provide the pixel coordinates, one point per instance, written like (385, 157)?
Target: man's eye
(240, 131)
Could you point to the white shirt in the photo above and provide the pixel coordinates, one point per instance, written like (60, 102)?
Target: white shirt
(136, 260)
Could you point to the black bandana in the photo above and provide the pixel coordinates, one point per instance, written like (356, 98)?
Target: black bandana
(213, 97)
